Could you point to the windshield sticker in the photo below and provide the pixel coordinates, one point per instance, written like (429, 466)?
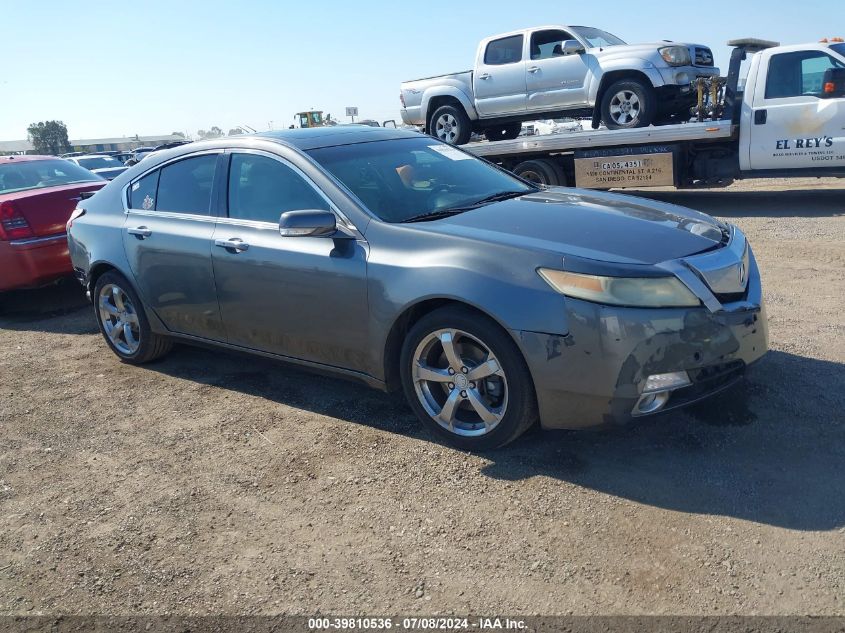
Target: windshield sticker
(148, 203)
(452, 153)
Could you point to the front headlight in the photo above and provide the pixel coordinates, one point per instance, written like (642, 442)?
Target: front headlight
(640, 292)
(675, 55)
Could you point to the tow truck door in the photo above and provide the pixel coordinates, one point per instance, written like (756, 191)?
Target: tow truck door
(788, 124)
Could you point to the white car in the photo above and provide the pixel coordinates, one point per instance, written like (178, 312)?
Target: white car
(103, 165)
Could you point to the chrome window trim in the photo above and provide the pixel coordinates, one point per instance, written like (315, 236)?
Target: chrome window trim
(151, 212)
(343, 220)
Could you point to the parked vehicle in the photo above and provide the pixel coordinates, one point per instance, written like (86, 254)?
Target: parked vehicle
(103, 165)
(407, 263)
(37, 196)
(138, 155)
(789, 121)
(555, 71)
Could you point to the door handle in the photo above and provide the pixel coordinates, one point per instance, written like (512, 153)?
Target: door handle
(141, 232)
(534, 69)
(760, 117)
(484, 76)
(235, 244)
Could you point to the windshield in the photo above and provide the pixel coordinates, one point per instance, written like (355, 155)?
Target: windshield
(405, 178)
(596, 38)
(36, 174)
(99, 162)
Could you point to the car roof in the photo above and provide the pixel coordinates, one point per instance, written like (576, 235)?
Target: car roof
(313, 138)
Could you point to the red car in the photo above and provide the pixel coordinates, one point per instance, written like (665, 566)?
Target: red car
(37, 196)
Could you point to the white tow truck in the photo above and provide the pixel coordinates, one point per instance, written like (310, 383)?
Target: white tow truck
(787, 120)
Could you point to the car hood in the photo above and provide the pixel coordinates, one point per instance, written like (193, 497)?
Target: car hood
(593, 225)
(638, 50)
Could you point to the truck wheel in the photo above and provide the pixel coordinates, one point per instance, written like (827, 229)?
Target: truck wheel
(450, 124)
(628, 103)
(542, 171)
(503, 132)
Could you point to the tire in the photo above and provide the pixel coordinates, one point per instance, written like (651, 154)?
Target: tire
(450, 124)
(115, 303)
(541, 171)
(503, 132)
(628, 103)
(433, 384)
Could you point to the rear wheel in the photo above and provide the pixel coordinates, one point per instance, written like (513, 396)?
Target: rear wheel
(466, 379)
(451, 124)
(503, 132)
(123, 322)
(628, 103)
(542, 171)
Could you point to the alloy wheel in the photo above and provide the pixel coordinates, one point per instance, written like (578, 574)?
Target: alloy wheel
(447, 128)
(459, 382)
(119, 319)
(625, 107)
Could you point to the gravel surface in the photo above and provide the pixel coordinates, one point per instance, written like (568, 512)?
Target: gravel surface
(217, 483)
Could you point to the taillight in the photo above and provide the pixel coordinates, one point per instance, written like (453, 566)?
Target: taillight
(13, 226)
(77, 213)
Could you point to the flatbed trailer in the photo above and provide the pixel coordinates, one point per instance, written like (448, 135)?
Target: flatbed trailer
(775, 127)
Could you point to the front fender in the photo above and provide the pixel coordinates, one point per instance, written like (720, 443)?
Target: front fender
(448, 91)
(630, 65)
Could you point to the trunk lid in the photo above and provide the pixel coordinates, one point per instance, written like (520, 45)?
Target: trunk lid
(47, 210)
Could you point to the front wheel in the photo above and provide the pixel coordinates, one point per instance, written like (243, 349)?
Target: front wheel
(466, 379)
(628, 103)
(123, 322)
(450, 124)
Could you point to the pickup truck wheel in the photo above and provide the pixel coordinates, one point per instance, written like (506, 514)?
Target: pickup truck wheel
(628, 103)
(503, 132)
(541, 171)
(451, 125)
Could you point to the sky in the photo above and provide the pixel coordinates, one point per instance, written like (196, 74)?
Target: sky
(120, 68)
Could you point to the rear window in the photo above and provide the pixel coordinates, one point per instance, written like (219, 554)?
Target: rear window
(37, 174)
(99, 162)
(507, 50)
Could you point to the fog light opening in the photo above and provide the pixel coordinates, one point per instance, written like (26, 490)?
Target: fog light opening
(651, 402)
(657, 389)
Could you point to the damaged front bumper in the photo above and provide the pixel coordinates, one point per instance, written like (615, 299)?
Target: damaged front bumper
(597, 373)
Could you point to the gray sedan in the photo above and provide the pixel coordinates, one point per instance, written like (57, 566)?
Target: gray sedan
(393, 258)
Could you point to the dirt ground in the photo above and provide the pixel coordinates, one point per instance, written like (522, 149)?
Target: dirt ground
(215, 483)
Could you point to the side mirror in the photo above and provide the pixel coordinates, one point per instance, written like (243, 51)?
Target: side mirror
(572, 47)
(307, 223)
(833, 83)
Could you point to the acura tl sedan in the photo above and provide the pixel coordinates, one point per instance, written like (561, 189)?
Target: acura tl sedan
(393, 258)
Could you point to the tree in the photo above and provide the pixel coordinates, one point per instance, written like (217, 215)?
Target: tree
(236, 130)
(177, 134)
(214, 132)
(49, 137)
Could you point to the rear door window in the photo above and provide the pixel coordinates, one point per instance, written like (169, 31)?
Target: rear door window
(507, 50)
(185, 186)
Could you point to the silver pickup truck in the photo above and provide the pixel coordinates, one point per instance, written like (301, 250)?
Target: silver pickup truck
(554, 71)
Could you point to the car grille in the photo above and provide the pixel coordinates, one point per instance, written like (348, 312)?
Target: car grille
(703, 56)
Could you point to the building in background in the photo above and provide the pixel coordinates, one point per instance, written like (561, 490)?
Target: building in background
(94, 145)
